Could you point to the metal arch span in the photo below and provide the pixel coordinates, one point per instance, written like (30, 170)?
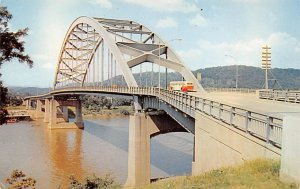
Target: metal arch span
(127, 44)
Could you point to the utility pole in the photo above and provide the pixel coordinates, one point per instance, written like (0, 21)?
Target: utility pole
(236, 70)
(266, 62)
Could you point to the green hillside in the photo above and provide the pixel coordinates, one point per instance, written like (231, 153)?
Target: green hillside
(249, 77)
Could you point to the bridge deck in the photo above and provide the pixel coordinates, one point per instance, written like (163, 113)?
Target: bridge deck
(251, 102)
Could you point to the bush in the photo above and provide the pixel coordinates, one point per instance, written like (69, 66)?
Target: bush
(93, 182)
(18, 180)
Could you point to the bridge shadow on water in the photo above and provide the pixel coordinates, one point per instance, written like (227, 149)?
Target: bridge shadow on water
(171, 153)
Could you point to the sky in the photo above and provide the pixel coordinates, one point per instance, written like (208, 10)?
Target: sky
(213, 32)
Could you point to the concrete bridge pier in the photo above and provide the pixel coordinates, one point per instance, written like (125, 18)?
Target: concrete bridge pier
(27, 104)
(52, 113)
(142, 127)
(138, 151)
(59, 117)
(38, 110)
(78, 119)
(47, 111)
(65, 113)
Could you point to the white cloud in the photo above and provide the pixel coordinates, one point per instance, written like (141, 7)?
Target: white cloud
(44, 61)
(166, 23)
(167, 5)
(198, 20)
(103, 3)
(284, 48)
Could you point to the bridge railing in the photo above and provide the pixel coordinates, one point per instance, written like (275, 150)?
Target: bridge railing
(259, 125)
(235, 90)
(279, 95)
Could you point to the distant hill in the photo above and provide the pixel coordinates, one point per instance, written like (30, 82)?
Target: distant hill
(250, 77)
(27, 91)
(221, 77)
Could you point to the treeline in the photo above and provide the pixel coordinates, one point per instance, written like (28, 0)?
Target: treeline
(97, 102)
(19, 180)
(249, 77)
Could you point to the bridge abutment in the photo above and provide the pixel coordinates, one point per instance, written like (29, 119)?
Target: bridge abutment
(219, 145)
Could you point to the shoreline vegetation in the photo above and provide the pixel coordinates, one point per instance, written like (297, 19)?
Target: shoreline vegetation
(258, 174)
(118, 111)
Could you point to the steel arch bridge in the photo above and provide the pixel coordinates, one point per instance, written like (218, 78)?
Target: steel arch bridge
(103, 52)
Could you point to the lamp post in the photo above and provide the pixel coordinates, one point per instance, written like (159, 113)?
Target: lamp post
(236, 70)
(159, 45)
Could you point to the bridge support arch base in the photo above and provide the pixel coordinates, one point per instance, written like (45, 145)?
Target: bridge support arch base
(218, 145)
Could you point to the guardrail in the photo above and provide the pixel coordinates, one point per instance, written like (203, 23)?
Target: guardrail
(265, 127)
(234, 90)
(285, 96)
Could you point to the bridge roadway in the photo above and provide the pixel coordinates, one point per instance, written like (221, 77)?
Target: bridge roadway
(250, 101)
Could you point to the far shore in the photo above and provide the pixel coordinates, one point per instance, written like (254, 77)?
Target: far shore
(121, 111)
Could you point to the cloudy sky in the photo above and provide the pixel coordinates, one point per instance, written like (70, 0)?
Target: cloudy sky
(224, 27)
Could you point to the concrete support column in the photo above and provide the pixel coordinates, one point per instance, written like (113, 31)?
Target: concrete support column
(138, 151)
(53, 113)
(65, 113)
(137, 104)
(38, 105)
(38, 110)
(26, 102)
(47, 111)
(78, 118)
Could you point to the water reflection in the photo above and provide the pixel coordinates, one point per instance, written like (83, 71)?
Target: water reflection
(65, 155)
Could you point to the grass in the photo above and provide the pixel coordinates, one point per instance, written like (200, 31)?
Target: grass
(257, 174)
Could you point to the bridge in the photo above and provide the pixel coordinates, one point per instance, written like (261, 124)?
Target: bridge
(114, 57)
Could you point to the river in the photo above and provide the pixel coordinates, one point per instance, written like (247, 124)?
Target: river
(50, 156)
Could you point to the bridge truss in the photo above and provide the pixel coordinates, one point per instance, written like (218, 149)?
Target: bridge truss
(107, 52)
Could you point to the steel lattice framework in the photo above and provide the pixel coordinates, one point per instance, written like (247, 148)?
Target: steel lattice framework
(96, 47)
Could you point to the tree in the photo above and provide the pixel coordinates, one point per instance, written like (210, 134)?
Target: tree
(93, 182)
(11, 46)
(18, 180)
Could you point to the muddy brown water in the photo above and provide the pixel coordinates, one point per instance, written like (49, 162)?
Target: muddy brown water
(50, 156)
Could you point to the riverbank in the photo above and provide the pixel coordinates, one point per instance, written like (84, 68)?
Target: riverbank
(119, 111)
(258, 174)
